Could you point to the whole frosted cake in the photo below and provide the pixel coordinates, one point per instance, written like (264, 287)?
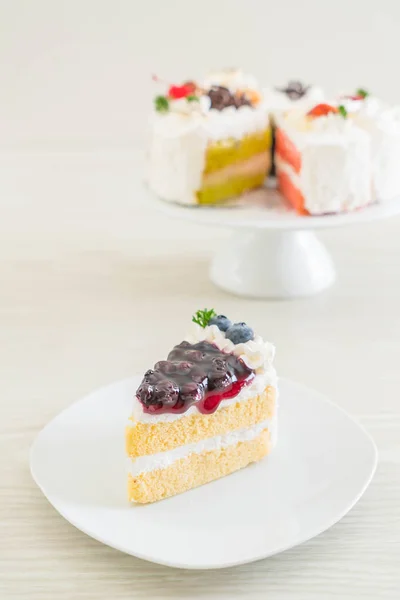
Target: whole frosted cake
(215, 139)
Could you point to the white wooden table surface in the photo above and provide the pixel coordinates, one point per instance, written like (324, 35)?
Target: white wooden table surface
(94, 287)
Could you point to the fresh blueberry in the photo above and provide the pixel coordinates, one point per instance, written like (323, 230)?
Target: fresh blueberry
(239, 333)
(222, 322)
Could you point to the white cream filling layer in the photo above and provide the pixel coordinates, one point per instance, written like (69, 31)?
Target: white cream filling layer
(145, 464)
(284, 167)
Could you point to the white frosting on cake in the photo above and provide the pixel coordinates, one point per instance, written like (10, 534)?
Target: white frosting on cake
(256, 354)
(235, 122)
(278, 102)
(176, 156)
(336, 170)
(150, 462)
(333, 127)
(382, 123)
(179, 137)
(233, 79)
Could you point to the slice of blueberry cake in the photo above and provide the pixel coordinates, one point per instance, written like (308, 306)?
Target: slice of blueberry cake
(206, 411)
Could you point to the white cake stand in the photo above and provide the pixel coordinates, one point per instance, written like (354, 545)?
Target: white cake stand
(273, 252)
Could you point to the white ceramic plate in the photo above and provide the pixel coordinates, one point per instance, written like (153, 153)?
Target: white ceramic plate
(321, 466)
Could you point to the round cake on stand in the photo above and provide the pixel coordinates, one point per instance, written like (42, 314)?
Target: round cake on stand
(273, 252)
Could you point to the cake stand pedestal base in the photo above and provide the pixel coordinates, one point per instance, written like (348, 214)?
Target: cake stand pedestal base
(273, 264)
(273, 252)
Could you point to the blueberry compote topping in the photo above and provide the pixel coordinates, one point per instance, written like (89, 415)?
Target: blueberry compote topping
(199, 374)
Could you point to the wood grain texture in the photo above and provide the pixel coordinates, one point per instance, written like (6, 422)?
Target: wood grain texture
(95, 286)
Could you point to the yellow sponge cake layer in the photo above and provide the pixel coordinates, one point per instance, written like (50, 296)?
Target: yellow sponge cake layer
(196, 469)
(144, 438)
(211, 194)
(234, 179)
(227, 152)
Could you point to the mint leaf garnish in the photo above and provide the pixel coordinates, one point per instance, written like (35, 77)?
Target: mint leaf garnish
(203, 317)
(161, 103)
(362, 93)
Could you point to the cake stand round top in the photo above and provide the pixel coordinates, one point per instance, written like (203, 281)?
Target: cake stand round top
(265, 209)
